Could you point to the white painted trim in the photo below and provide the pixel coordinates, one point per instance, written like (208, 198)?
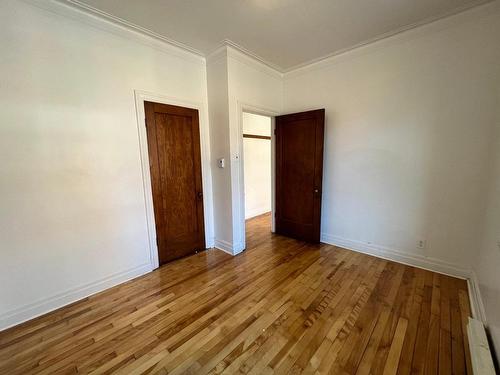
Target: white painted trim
(239, 186)
(129, 25)
(383, 252)
(470, 12)
(245, 57)
(482, 362)
(38, 308)
(83, 12)
(420, 261)
(77, 11)
(273, 174)
(476, 301)
(140, 98)
(217, 54)
(225, 246)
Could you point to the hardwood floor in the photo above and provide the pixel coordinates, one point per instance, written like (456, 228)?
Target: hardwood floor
(283, 306)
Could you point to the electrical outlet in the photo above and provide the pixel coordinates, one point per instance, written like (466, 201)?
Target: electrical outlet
(421, 244)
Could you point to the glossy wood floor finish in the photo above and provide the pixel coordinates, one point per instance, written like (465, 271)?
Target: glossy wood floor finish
(281, 307)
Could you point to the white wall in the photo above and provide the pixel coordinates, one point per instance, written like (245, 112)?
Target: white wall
(217, 82)
(257, 88)
(257, 165)
(244, 84)
(408, 127)
(487, 267)
(409, 139)
(72, 217)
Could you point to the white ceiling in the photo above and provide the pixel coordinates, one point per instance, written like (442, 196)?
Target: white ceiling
(284, 33)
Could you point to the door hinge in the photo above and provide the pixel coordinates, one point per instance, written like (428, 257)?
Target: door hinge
(145, 122)
(274, 131)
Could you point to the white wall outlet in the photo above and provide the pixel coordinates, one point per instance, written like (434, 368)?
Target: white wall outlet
(421, 244)
(221, 162)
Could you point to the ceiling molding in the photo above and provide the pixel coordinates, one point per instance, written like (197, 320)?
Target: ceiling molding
(486, 8)
(252, 55)
(183, 49)
(241, 56)
(388, 35)
(71, 9)
(217, 54)
(117, 20)
(229, 49)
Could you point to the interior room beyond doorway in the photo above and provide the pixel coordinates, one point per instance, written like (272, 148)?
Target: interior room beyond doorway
(257, 165)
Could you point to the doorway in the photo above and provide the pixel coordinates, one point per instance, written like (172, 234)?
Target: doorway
(258, 186)
(296, 173)
(173, 137)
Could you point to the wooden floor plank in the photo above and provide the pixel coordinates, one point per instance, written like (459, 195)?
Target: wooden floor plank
(391, 365)
(282, 306)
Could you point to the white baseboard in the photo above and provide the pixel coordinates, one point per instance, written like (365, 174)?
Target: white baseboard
(476, 301)
(33, 310)
(419, 261)
(30, 311)
(256, 212)
(225, 246)
(480, 351)
(431, 264)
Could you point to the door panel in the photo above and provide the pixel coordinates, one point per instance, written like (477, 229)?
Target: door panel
(175, 164)
(299, 172)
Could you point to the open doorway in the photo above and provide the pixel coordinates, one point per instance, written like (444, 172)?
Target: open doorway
(257, 151)
(282, 158)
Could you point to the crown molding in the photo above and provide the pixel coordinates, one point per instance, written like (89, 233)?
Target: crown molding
(217, 54)
(253, 56)
(243, 57)
(85, 14)
(443, 21)
(463, 10)
(129, 25)
(77, 10)
(230, 49)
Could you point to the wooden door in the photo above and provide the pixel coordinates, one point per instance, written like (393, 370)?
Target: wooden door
(175, 164)
(299, 174)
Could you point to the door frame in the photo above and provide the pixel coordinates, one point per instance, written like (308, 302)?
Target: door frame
(140, 98)
(248, 108)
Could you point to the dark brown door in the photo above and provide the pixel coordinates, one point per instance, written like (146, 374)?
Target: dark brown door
(175, 164)
(299, 174)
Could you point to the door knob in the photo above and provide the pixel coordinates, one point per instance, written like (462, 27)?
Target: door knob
(200, 195)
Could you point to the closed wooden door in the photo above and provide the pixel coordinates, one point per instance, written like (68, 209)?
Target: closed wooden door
(299, 174)
(175, 165)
